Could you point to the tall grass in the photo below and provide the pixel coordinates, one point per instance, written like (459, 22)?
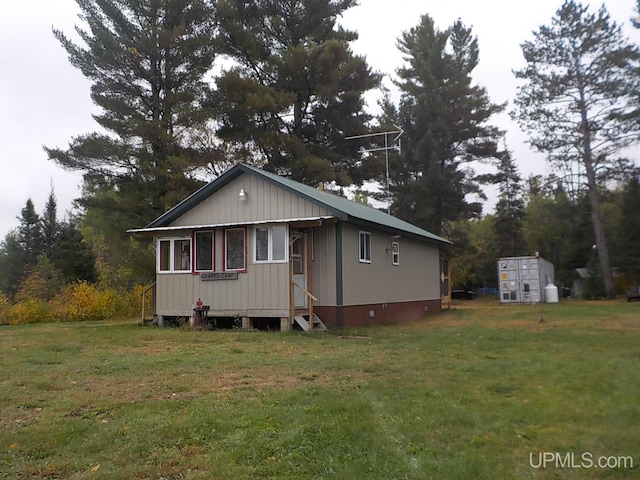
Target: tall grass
(475, 392)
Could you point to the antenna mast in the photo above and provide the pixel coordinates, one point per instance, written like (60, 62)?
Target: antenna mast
(397, 146)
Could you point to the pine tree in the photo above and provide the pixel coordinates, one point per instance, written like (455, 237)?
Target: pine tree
(578, 85)
(50, 225)
(11, 264)
(147, 61)
(509, 215)
(29, 235)
(444, 117)
(73, 258)
(296, 88)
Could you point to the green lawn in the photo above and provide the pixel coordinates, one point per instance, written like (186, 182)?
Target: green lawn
(479, 392)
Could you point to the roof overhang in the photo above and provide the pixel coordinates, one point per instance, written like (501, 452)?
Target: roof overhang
(175, 228)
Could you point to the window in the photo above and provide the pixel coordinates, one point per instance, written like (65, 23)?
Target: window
(297, 254)
(234, 249)
(182, 255)
(204, 251)
(164, 256)
(364, 245)
(271, 244)
(395, 253)
(174, 255)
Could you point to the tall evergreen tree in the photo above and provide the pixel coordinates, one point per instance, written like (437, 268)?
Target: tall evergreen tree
(73, 258)
(445, 120)
(147, 61)
(50, 224)
(578, 84)
(509, 215)
(29, 235)
(11, 264)
(295, 89)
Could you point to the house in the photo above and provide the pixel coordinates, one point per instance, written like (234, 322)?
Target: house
(274, 252)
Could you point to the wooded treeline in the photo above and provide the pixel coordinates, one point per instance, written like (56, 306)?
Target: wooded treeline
(186, 88)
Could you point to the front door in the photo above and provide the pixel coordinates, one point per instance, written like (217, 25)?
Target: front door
(299, 266)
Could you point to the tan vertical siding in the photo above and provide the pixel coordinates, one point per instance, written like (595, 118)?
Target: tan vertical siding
(263, 287)
(324, 264)
(416, 278)
(265, 202)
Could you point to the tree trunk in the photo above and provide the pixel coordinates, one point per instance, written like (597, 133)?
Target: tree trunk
(594, 197)
(598, 230)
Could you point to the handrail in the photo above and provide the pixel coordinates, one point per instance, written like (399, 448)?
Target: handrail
(307, 292)
(148, 288)
(144, 299)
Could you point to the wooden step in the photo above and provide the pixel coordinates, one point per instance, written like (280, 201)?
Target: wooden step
(304, 324)
(317, 323)
(300, 320)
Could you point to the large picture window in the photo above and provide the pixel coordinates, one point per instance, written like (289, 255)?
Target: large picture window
(364, 247)
(204, 251)
(174, 255)
(271, 244)
(235, 249)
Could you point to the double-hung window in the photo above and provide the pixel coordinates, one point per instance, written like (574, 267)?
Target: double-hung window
(270, 244)
(235, 252)
(174, 255)
(203, 251)
(364, 247)
(395, 253)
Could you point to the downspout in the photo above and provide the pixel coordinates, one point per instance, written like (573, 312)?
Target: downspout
(339, 280)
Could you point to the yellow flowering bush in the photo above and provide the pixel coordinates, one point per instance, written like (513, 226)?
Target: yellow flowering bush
(83, 301)
(4, 309)
(31, 310)
(75, 302)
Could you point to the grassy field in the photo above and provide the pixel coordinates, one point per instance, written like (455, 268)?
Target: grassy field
(482, 391)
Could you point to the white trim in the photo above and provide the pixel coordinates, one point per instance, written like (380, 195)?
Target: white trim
(270, 259)
(172, 242)
(395, 253)
(228, 224)
(363, 258)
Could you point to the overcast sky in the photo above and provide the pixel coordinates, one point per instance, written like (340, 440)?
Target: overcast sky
(45, 101)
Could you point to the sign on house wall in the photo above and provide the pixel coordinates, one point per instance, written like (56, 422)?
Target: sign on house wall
(219, 276)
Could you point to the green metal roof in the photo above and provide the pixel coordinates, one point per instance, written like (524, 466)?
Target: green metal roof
(342, 208)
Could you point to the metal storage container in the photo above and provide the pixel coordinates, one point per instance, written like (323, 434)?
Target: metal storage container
(522, 279)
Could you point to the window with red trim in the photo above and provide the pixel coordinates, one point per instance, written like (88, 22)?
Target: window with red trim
(235, 251)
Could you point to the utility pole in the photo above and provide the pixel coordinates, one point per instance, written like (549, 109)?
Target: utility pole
(397, 146)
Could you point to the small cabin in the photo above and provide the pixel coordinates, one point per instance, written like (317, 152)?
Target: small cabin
(271, 252)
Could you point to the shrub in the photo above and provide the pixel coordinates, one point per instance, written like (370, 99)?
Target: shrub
(74, 302)
(83, 301)
(31, 310)
(4, 309)
(135, 302)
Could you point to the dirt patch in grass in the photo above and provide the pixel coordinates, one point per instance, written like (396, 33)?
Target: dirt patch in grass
(192, 385)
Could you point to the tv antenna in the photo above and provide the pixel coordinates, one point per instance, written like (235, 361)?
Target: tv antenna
(397, 145)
